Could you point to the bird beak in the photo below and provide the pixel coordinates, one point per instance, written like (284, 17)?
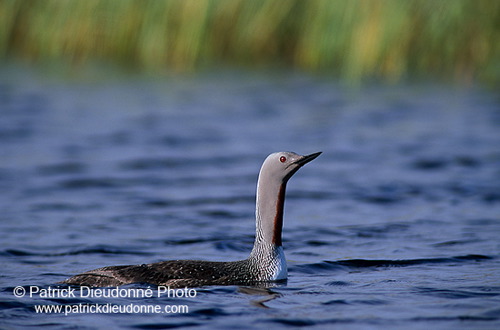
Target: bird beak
(299, 163)
(306, 159)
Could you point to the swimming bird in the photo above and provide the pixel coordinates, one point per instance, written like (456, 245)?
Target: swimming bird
(266, 262)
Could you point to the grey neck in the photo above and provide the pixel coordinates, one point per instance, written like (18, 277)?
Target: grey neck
(269, 214)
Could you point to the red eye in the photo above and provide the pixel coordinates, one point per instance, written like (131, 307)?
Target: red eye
(282, 159)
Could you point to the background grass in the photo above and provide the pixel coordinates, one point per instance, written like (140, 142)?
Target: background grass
(355, 40)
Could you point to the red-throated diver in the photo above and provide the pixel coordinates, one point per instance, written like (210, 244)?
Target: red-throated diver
(265, 263)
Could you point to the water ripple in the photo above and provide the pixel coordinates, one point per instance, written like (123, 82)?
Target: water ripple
(329, 266)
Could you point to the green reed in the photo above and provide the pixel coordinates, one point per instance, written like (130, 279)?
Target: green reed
(353, 39)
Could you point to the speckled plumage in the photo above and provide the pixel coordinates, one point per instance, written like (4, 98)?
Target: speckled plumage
(177, 273)
(265, 263)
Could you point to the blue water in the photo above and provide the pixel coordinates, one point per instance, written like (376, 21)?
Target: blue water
(396, 225)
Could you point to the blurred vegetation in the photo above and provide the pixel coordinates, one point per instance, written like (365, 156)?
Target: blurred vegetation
(357, 39)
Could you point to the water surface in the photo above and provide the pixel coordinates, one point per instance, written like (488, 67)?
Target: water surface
(395, 225)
